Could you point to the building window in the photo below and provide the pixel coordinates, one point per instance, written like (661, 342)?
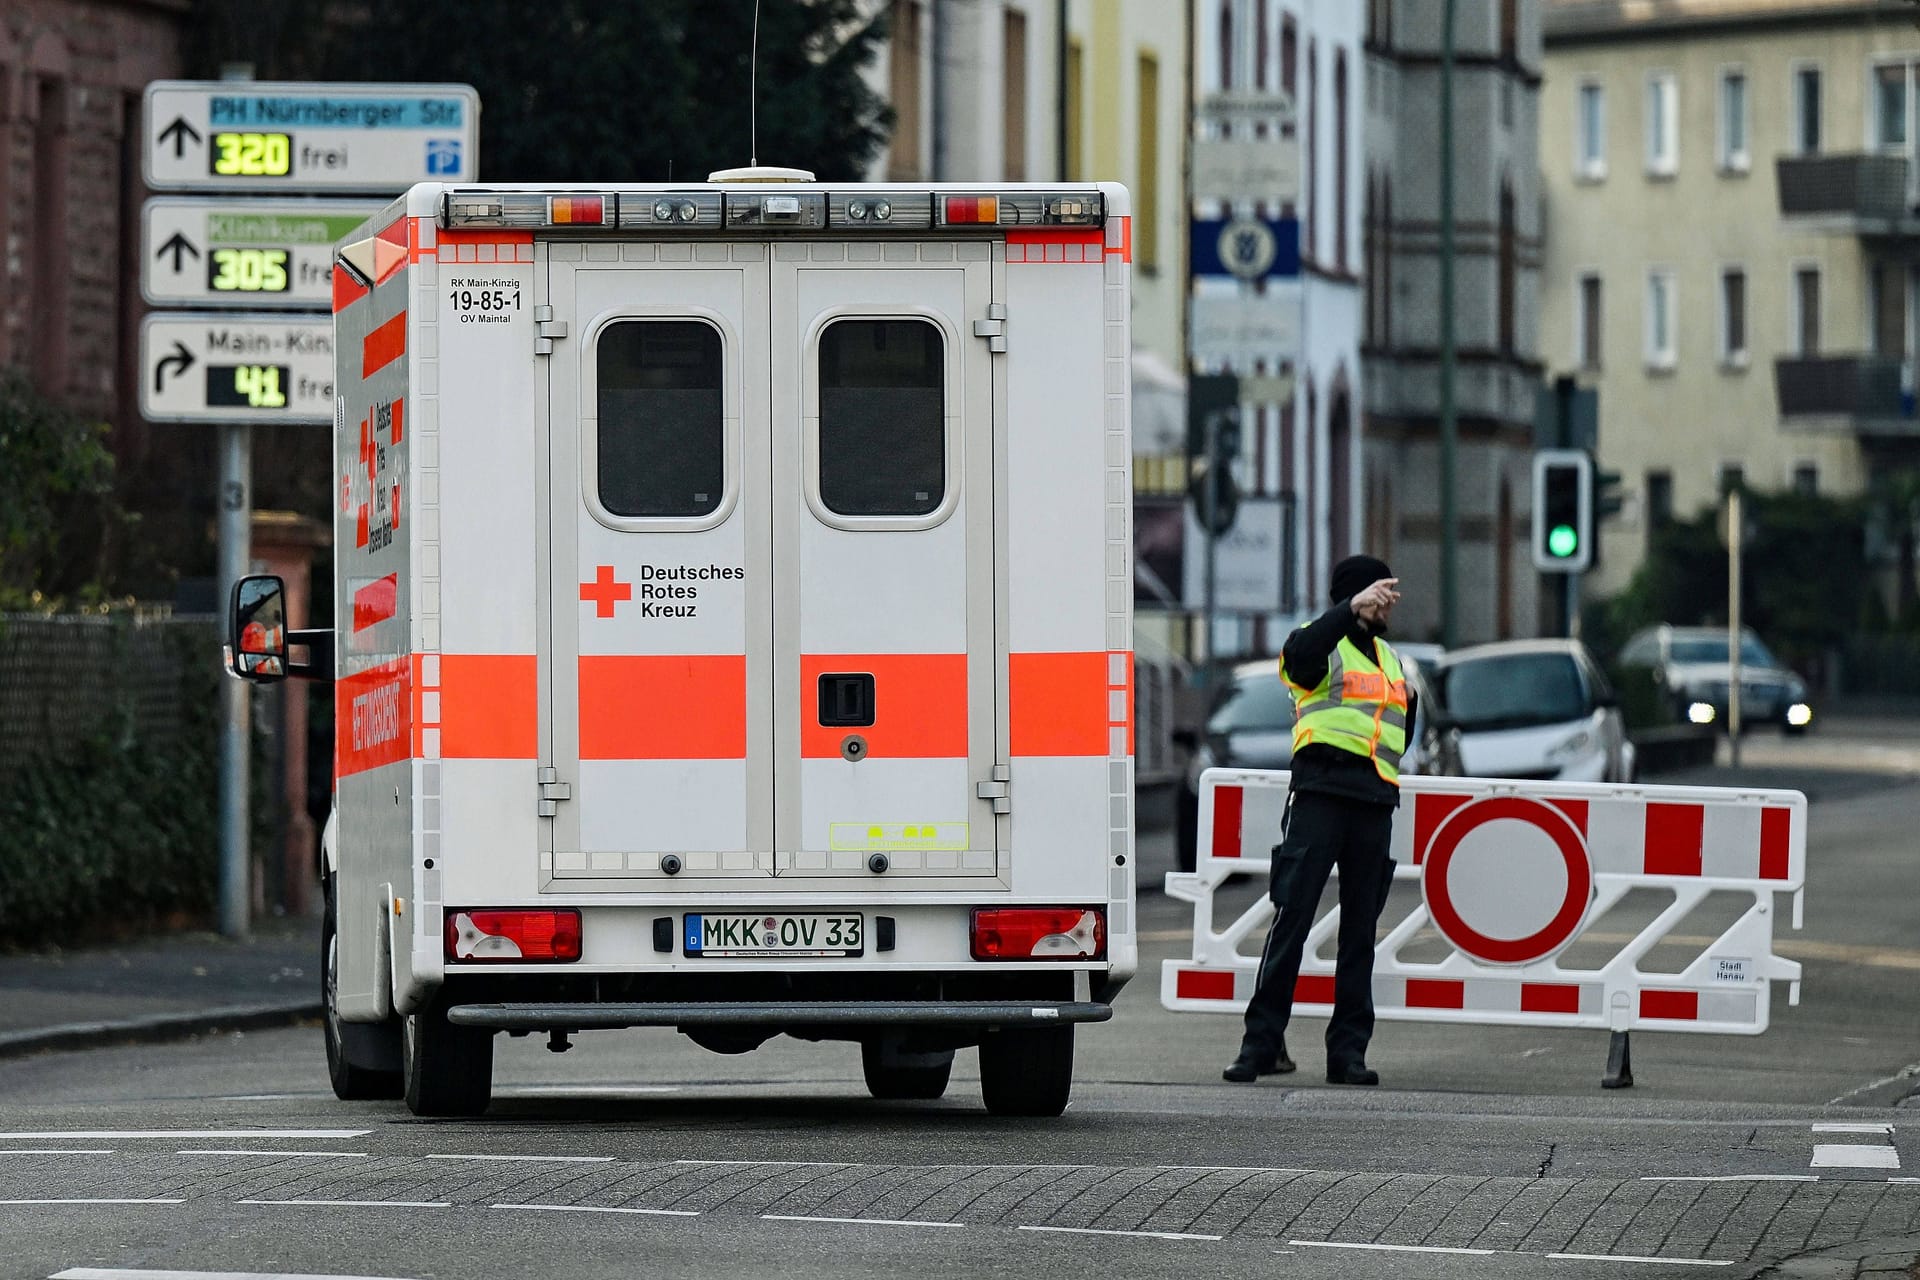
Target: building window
(1806, 311)
(1070, 163)
(1509, 29)
(1733, 318)
(1663, 124)
(1509, 268)
(1340, 172)
(1806, 479)
(1887, 303)
(1013, 35)
(1733, 122)
(1289, 55)
(1661, 349)
(52, 296)
(903, 79)
(1890, 105)
(1262, 51)
(1226, 44)
(1310, 144)
(1806, 110)
(1147, 176)
(1586, 323)
(1590, 146)
(1659, 499)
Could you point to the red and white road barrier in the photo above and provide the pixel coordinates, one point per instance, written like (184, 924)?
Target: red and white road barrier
(1514, 876)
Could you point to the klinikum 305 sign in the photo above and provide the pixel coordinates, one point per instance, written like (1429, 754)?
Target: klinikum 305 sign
(265, 137)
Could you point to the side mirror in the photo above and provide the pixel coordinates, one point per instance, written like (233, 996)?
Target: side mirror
(257, 628)
(1607, 699)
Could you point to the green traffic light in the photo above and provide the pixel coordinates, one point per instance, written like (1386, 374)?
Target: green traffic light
(1563, 541)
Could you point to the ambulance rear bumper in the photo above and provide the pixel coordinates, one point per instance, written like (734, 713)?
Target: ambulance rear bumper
(813, 1013)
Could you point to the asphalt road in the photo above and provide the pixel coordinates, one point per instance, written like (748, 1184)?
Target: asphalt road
(1487, 1152)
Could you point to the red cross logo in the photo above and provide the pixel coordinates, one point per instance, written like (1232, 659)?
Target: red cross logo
(605, 592)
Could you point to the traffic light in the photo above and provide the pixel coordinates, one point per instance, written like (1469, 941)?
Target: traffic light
(1562, 511)
(1606, 503)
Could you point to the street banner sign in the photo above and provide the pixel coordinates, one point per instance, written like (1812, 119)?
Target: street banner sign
(281, 137)
(1234, 331)
(244, 253)
(1251, 558)
(1247, 106)
(1246, 170)
(227, 367)
(1245, 247)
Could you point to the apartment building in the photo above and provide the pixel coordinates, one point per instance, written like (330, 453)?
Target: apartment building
(1731, 243)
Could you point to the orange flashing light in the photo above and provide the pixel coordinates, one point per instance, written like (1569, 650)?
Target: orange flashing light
(579, 210)
(972, 209)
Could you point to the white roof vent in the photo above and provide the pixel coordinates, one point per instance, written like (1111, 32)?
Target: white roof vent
(760, 173)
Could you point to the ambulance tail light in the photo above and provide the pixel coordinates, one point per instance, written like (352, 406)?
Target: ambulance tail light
(1039, 933)
(525, 210)
(481, 936)
(968, 211)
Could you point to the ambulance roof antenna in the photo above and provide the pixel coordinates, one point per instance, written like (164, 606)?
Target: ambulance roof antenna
(753, 172)
(753, 93)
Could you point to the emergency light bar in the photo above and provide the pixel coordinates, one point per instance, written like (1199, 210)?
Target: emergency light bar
(708, 211)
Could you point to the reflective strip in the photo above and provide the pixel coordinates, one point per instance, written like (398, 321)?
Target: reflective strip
(663, 706)
(919, 705)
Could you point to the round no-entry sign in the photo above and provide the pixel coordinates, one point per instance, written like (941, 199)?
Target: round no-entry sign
(1507, 880)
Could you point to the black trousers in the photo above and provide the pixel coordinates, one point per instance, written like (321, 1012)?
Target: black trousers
(1320, 832)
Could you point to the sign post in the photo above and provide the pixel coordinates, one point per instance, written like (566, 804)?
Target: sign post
(244, 248)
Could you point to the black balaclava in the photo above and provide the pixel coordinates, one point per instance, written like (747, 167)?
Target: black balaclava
(1355, 574)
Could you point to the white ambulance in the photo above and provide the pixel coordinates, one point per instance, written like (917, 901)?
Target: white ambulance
(734, 593)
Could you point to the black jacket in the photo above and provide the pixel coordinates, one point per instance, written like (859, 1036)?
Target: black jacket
(1317, 766)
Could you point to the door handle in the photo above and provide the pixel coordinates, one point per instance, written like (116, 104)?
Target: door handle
(846, 699)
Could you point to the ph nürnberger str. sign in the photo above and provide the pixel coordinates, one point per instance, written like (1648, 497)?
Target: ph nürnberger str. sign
(227, 367)
(232, 251)
(268, 137)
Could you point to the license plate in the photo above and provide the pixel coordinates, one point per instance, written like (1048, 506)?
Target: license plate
(773, 935)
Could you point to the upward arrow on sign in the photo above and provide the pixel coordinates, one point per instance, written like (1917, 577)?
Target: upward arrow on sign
(179, 131)
(177, 245)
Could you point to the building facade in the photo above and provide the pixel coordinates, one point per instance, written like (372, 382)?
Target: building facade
(72, 73)
(1496, 295)
(1743, 306)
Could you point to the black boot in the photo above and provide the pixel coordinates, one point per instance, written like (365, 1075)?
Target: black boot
(1254, 1063)
(1351, 1073)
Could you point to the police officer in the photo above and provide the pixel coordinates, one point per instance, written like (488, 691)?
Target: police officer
(1351, 713)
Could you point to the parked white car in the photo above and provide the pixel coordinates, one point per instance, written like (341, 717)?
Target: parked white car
(1534, 709)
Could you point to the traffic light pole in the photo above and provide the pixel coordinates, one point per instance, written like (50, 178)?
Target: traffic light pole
(1211, 521)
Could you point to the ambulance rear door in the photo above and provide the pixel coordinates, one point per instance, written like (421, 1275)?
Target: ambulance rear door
(890, 761)
(658, 768)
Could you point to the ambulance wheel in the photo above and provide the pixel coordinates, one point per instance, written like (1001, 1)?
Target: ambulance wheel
(449, 1069)
(1027, 1073)
(920, 1076)
(363, 1059)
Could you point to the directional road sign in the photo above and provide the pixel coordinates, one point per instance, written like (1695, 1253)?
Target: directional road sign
(223, 367)
(236, 252)
(266, 137)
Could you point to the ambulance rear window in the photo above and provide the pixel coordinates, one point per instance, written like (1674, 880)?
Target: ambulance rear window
(662, 439)
(883, 436)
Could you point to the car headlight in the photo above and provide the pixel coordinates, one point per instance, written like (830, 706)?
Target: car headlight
(1701, 713)
(1799, 715)
(1579, 744)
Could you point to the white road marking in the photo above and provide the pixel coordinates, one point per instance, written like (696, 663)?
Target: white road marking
(1631, 1257)
(147, 1200)
(1886, 1130)
(864, 1222)
(1144, 1235)
(56, 1151)
(802, 1164)
(1903, 1179)
(119, 1273)
(102, 1135)
(223, 1151)
(1735, 1177)
(559, 1159)
(1390, 1248)
(1836, 1155)
(601, 1208)
(360, 1204)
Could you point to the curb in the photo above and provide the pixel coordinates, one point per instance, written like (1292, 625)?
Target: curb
(157, 1028)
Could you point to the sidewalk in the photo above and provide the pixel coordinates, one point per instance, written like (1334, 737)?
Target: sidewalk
(160, 988)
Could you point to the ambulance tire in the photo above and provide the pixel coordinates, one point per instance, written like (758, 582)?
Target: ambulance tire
(361, 1057)
(922, 1081)
(1027, 1073)
(449, 1069)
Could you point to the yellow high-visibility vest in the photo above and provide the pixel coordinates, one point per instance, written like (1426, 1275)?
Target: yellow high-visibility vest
(1359, 706)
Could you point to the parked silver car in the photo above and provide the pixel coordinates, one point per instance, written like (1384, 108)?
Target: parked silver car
(1539, 709)
(1693, 666)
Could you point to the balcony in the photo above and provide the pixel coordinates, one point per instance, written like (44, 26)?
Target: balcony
(1859, 194)
(1857, 394)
